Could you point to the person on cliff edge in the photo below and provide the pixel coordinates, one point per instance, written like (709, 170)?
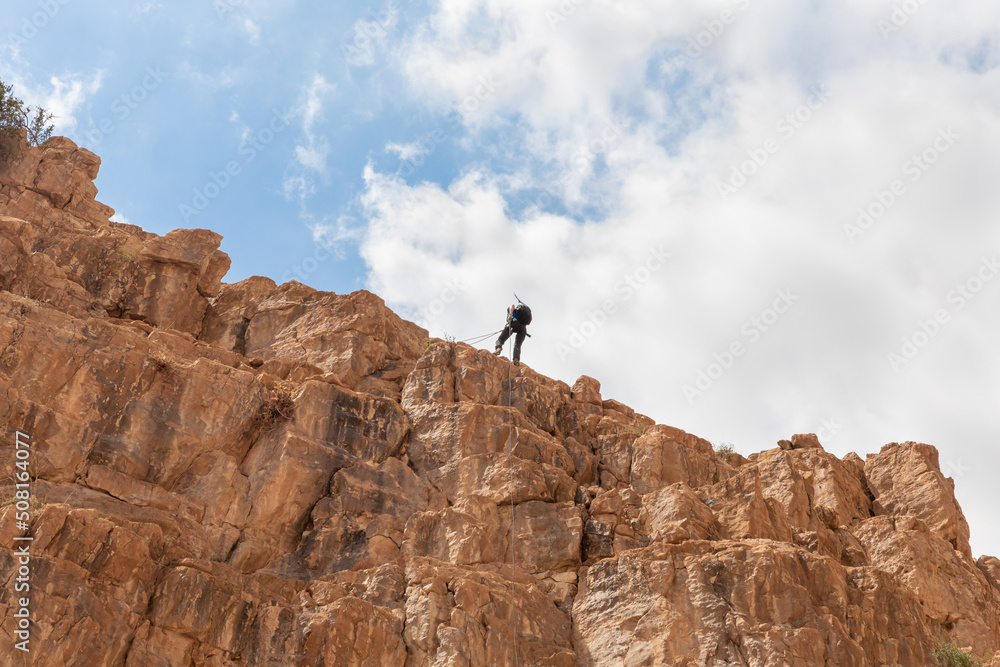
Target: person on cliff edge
(518, 319)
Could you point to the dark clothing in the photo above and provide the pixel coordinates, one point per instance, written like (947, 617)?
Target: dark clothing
(515, 327)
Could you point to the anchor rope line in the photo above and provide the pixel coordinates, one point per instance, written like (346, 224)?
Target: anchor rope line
(479, 339)
(510, 485)
(475, 340)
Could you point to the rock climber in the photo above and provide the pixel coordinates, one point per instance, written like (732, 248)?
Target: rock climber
(518, 319)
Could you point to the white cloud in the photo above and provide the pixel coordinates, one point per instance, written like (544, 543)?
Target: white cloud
(334, 234)
(64, 97)
(917, 107)
(370, 37)
(145, 7)
(311, 161)
(252, 30)
(298, 187)
(312, 106)
(246, 16)
(312, 155)
(223, 79)
(404, 151)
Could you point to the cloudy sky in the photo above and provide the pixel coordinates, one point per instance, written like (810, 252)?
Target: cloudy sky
(747, 218)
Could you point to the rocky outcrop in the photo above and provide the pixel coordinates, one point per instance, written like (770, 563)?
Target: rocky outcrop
(921, 491)
(744, 603)
(262, 474)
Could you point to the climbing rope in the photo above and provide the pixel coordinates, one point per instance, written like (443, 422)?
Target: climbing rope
(479, 339)
(510, 460)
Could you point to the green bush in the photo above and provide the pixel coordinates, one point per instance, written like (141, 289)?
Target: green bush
(725, 449)
(16, 116)
(949, 655)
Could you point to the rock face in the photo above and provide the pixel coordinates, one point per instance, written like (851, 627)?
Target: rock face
(254, 474)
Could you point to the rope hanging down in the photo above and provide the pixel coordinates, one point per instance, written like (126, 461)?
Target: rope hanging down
(510, 460)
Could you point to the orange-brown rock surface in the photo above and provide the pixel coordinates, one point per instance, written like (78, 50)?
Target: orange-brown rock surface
(255, 474)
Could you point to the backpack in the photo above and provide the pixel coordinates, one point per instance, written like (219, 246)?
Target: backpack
(522, 314)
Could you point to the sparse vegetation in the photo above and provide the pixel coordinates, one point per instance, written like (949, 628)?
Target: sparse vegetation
(278, 406)
(124, 256)
(949, 655)
(636, 429)
(16, 116)
(725, 449)
(19, 120)
(160, 360)
(33, 503)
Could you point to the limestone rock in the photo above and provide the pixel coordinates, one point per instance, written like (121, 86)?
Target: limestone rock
(362, 521)
(351, 336)
(546, 537)
(951, 590)
(675, 514)
(450, 373)
(906, 480)
(663, 455)
(806, 441)
(990, 566)
(718, 603)
(490, 476)
(586, 390)
(261, 474)
(468, 533)
(613, 524)
(743, 511)
(460, 616)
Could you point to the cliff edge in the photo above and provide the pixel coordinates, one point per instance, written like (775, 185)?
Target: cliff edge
(260, 474)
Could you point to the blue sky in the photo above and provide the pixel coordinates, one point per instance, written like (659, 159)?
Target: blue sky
(746, 218)
(169, 95)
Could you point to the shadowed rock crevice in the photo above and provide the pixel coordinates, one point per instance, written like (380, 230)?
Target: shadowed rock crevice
(262, 474)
